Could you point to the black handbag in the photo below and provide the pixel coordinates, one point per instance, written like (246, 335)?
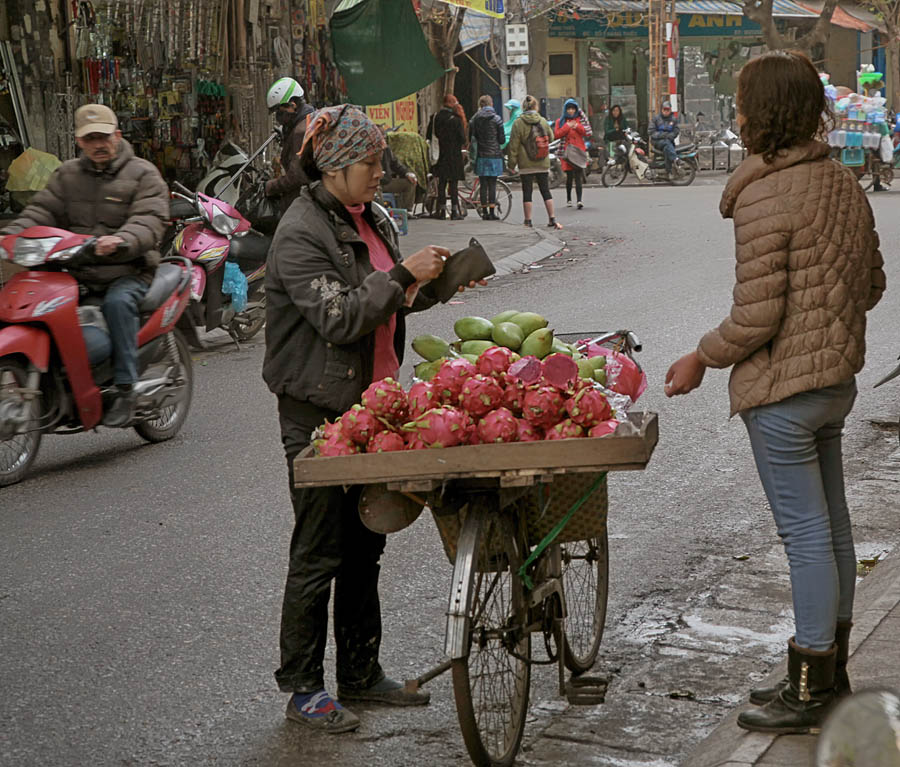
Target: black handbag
(261, 211)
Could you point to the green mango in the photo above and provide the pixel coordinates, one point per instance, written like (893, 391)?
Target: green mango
(509, 335)
(585, 369)
(475, 347)
(430, 347)
(558, 347)
(539, 344)
(473, 328)
(473, 358)
(599, 362)
(505, 316)
(600, 376)
(426, 370)
(529, 322)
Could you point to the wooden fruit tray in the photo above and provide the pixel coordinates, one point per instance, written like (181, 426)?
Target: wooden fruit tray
(514, 464)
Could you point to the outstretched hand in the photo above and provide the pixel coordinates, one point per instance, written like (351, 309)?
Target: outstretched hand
(685, 375)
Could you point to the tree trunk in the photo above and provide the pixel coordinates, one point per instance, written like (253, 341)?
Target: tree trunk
(893, 47)
(762, 14)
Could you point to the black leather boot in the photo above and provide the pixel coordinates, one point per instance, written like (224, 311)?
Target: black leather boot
(763, 695)
(803, 704)
(455, 214)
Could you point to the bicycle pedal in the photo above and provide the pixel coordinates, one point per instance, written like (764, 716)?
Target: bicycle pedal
(587, 690)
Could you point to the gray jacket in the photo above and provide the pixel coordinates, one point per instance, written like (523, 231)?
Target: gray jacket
(324, 302)
(664, 128)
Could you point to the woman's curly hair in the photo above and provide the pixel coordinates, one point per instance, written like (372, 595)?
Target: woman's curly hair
(782, 103)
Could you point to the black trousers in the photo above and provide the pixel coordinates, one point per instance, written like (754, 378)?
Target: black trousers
(329, 543)
(488, 190)
(576, 175)
(443, 183)
(543, 182)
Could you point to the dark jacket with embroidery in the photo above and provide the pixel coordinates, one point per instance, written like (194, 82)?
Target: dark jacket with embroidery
(324, 301)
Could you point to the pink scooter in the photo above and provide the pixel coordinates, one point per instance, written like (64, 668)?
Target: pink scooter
(219, 233)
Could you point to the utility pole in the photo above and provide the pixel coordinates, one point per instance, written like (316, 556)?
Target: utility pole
(517, 54)
(662, 25)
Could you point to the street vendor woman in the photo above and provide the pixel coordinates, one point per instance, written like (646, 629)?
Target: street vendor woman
(338, 293)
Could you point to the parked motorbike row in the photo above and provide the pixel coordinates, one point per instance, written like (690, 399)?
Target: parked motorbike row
(56, 373)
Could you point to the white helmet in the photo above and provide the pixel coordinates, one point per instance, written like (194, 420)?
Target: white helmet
(282, 91)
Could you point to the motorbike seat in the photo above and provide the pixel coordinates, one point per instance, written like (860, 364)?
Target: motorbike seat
(249, 251)
(179, 208)
(164, 283)
(685, 148)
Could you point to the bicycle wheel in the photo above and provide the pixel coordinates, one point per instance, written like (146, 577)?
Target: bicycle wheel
(491, 683)
(585, 573)
(504, 200)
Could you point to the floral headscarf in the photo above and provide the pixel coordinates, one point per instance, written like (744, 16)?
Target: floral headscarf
(341, 136)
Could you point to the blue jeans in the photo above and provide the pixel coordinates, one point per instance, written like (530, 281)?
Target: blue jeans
(667, 147)
(120, 308)
(797, 447)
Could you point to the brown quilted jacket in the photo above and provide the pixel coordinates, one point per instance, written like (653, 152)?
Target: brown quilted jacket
(808, 270)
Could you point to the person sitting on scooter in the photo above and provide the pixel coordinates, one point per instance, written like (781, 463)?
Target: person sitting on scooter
(122, 200)
(285, 101)
(663, 132)
(615, 127)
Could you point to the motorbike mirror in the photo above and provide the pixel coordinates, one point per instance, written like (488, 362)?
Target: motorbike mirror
(863, 729)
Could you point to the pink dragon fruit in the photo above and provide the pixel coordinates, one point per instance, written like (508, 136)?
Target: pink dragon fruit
(604, 429)
(498, 426)
(360, 425)
(559, 370)
(480, 394)
(416, 444)
(527, 370)
(565, 430)
(543, 406)
(527, 432)
(335, 445)
(450, 378)
(495, 360)
(513, 392)
(386, 399)
(588, 408)
(386, 442)
(440, 427)
(328, 430)
(421, 397)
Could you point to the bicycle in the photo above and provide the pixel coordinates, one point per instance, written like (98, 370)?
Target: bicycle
(524, 526)
(470, 199)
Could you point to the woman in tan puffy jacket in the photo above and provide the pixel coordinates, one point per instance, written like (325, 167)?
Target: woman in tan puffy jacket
(808, 270)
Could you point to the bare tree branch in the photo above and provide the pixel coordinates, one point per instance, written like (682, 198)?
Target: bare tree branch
(760, 11)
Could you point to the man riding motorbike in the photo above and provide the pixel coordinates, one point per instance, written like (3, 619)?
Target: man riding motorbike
(121, 199)
(663, 132)
(285, 101)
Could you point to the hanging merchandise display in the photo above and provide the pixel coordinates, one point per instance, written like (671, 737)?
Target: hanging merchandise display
(376, 73)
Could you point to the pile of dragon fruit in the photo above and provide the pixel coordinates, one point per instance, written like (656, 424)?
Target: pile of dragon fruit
(499, 398)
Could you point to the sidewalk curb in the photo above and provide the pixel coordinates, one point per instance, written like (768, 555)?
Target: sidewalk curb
(548, 246)
(729, 746)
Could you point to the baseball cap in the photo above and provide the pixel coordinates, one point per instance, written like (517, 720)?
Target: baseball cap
(667, 105)
(94, 118)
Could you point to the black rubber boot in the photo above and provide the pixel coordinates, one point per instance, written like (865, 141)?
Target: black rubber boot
(763, 695)
(803, 704)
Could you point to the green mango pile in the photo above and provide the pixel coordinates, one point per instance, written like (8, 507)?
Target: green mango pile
(524, 333)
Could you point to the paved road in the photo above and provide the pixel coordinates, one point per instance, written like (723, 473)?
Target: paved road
(140, 585)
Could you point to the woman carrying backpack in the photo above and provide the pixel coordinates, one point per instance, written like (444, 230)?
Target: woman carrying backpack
(529, 151)
(574, 130)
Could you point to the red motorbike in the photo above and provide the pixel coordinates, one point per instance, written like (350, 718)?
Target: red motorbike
(56, 373)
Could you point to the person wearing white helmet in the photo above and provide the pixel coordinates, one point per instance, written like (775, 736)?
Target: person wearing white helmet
(285, 102)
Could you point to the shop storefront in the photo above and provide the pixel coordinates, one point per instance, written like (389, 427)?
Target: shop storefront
(183, 76)
(601, 57)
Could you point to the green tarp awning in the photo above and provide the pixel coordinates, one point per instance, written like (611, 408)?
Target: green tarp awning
(381, 52)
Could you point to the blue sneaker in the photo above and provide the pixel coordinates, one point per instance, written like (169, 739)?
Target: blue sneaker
(321, 712)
